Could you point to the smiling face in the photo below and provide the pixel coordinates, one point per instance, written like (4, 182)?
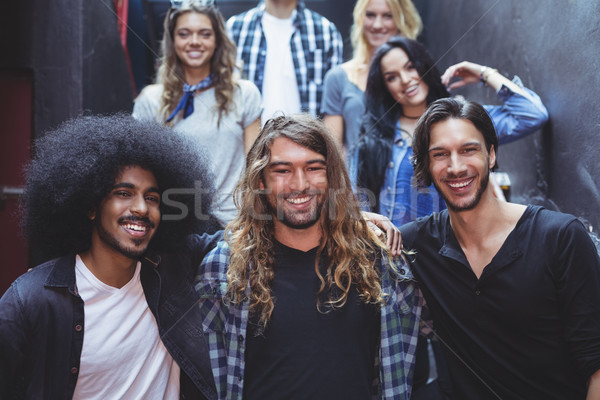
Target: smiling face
(295, 182)
(195, 41)
(459, 163)
(378, 23)
(128, 216)
(404, 83)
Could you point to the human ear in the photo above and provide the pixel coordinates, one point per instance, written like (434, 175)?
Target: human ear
(492, 157)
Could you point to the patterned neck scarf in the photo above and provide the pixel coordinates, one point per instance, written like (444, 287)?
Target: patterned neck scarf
(187, 101)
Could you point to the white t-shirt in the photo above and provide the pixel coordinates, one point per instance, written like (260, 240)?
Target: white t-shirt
(122, 355)
(280, 88)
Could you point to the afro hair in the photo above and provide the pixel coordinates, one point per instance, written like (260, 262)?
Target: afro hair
(76, 165)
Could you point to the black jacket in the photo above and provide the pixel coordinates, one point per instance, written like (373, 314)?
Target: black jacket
(42, 327)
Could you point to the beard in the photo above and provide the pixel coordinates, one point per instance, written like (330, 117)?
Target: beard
(133, 251)
(467, 204)
(296, 219)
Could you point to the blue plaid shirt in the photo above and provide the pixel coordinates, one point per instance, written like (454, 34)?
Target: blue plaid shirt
(225, 327)
(316, 46)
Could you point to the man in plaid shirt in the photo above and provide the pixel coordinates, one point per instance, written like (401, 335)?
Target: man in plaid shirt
(302, 300)
(286, 49)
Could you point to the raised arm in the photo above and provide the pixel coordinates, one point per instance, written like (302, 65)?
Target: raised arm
(469, 73)
(522, 111)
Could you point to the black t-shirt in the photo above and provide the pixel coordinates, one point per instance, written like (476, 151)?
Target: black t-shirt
(307, 354)
(529, 327)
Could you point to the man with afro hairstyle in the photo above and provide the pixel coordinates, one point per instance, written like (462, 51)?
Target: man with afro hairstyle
(117, 201)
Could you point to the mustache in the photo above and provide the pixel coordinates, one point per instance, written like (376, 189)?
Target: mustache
(307, 192)
(133, 218)
(452, 175)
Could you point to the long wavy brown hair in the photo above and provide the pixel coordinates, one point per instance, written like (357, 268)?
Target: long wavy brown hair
(170, 72)
(347, 243)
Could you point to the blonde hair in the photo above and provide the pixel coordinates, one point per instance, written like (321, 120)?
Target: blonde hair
(170, 72)
(405, 16)
(351, 249)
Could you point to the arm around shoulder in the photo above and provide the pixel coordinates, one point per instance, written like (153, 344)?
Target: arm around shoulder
(214, 266)
(201, 244)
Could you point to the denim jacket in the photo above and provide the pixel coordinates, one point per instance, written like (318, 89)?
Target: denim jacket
(42, 325)
(402, 202)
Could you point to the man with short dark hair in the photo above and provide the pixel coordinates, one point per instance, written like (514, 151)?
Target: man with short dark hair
(115, 315)
(514, 290)
(302, 300)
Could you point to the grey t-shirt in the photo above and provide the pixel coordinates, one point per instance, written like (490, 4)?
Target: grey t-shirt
(342, 97)
(224, 144)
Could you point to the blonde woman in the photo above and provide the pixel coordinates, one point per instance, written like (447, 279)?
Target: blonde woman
(198, 94)
(375, 21)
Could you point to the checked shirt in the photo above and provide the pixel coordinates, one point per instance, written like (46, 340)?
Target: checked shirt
(225, 327)
(316, 46)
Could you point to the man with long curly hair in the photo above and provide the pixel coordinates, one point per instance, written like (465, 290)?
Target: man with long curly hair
(302, 300)
(114, 316)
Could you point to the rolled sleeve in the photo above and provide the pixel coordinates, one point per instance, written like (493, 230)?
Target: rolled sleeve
(521, 114)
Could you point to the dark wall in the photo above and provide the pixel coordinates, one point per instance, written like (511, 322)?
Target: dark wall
(29, 36)
(554, 47)
(58, 59)
(107, 85)
(73, 52)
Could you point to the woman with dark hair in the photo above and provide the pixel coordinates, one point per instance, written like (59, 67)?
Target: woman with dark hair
(402, 82)
(197, 93)
(375, 21)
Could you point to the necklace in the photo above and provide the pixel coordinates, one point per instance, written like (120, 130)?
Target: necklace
(409, 117)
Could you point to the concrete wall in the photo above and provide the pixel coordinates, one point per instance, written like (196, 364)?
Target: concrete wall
(554, 47)
(73, 51)
(69, 54)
